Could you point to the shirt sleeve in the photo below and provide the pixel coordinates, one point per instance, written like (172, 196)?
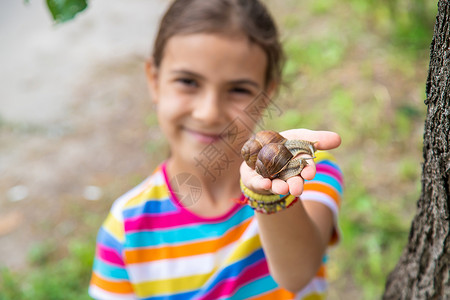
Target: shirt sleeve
(326, 187)
(110, 279)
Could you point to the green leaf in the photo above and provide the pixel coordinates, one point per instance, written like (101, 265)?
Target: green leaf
(65, 10)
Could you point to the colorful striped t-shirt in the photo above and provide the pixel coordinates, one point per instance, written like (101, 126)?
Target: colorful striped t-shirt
(151, 247)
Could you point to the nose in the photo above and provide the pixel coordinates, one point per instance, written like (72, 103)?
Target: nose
(208, 108)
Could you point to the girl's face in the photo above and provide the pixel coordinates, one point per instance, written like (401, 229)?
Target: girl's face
(202, 88)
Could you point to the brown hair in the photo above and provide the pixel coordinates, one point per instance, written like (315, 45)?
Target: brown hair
(223, 16)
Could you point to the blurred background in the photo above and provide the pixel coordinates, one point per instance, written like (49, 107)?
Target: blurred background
(77, 128)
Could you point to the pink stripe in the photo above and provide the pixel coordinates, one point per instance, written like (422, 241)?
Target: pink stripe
(177, 202)
(180, 218)
(229, 286)
(149, 222)
(335, 173)
(109, 255)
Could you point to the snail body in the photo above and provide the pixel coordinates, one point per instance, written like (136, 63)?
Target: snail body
(272, 156)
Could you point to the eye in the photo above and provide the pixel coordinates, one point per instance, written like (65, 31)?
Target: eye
(187, 82)
(241, 90)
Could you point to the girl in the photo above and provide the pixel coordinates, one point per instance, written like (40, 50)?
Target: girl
(181, 234)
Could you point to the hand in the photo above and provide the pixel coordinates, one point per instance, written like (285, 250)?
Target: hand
(326, 140)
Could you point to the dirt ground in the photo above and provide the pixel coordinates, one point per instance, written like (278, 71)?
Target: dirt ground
(72, 128)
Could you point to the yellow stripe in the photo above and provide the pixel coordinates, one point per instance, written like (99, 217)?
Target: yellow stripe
(314, 297)
(167, 286)
(156, 192)
(114, 227)
(323, 155)
(112, 286)
(244, 249)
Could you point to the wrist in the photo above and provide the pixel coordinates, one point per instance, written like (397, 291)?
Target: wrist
(260, 196)
(267, 204)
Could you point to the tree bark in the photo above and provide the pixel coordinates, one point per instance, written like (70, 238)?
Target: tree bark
(423, 270)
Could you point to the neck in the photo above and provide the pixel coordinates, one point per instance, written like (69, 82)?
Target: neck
(217, 188)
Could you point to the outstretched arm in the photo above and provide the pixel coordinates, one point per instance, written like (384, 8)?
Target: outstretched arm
(296, 238)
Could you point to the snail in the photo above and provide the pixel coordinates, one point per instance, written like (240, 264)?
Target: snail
(252, 147)
(273, 156)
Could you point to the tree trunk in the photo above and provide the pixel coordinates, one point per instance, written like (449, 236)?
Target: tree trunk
(423, 270)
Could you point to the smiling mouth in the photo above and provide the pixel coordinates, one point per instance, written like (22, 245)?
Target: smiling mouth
(202, 137)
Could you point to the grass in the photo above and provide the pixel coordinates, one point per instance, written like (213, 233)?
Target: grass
(50, 279)
(354, 67)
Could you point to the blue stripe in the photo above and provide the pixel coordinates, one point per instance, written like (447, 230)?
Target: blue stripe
(190, 233)
(320, 177)
(256, 287)
(150, 206)
(110, 271)
(106, 239)
(235, 269)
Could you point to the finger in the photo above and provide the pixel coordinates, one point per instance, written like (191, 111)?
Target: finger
(253, 180)
(259, 183)
(309, 171)
(326, 140)
(247, 174)
(280, 187)
(295, 185)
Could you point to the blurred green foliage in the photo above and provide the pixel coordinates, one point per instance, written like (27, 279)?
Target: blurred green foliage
(65, 10)
(406, 22)
(359, 68)
(50, 279)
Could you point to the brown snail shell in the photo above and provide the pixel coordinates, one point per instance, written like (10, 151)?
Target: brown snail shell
(296, 164)
(272, 156)
(269, 136)
(250, 152)
(252, 147)
(272, 159)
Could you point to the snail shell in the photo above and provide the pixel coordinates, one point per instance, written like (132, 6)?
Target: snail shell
(296, 164)
(269, 136)
(253, 146)
(272, 156)
(272, 159)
